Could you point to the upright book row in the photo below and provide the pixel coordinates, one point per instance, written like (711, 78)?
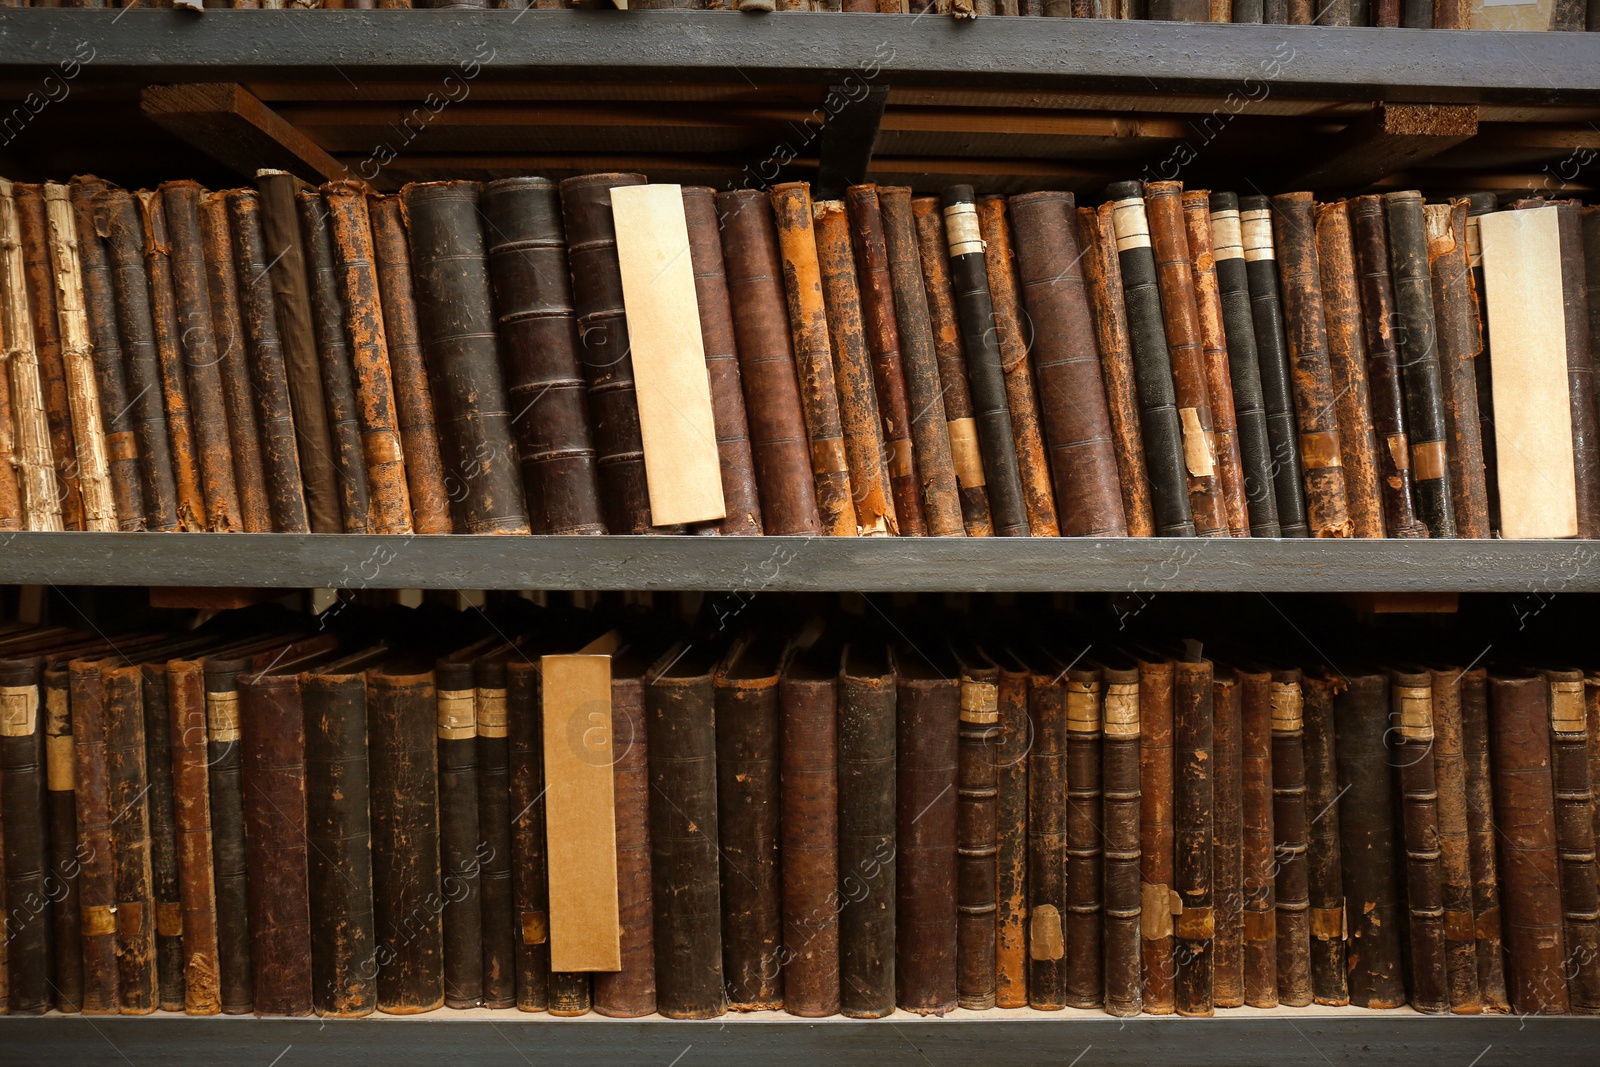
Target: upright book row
(243, 820)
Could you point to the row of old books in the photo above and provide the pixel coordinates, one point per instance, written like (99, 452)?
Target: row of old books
(251, 817)
(458, 358)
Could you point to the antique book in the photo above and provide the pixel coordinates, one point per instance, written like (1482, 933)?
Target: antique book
(284, 261)
(1388, 406)
(163, 836)
(460, 860)
(1160, 423)
(29, 883)
(1072, 396)
(1347, 359)
(866, 791)
(413, 396)
(1157, 849)
(1011, 861)
(1329, 983)
(1455, 862)
(933, 461)
(1411, 713)
(950, 355)
(1084, 933)
(97, 882)
(235, 982)
(928, 712)
(1012, 341)
(1478, 205)
(778, 441)
(494, 828)
(1460, 339)
(883, 346)
(1227, 838)
(977, 801)
(1272, 352)
(128, 794)
(1321, 455)
(852, 372)
(819, 396)
(1175, 287)
(1102, 270)
(1047, 838)
(1193, 783)
(1257, 837)
(36, 468)
(62, 837)
(1575, 841)
(1120, 782)
(186, 709)
(388, 498)
(529, 890)
(455, 314)
(1417, 342)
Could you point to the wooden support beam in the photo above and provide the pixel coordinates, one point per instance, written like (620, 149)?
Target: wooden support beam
(227, 123)
(1391, 137)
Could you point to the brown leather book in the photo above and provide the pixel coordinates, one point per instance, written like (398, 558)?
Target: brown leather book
(977, 831)
(1575, 842)
(36, 470)
(455, 313)
(1227, 839)
(1450, 777)
(952, 361)
(130, 837)
(852, 372)
(928, 713)
(1072, 397)
(933, 462)
(737, 464)
(33, 229)
(97, 885)
(1478, 205)
(748, 805)
(1103, 272)
(1460, 342)
(1156, 841)
(1347, 359)
(11, 516)
(1330, 983)
(29, 883)
(1047, 839)
(1021, 394)
(530, 893)
(1120, 752)
(1583, 387)
(413, 396)
(1084, 702)
(460, 861)
(62, 838)
(1321, 453)
(1257, 838)
(186, 709)
(163, 837)
(819, 397)
(226, 799)
(494, 830)
(1411, 702)
(778, 442)
(866, 735)
(1193, 782)
(1011, 866)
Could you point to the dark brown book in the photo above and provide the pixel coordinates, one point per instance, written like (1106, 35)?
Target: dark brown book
(1085, 976)
(819, 396)
(529, 891)
(1581, 376)
(1330, 983)
(571, 994)
(1450, 778)
(950, 355)
(1575, 842)
(284, 262)
(494, 831)
(1193, 782)
(630, 992)
(235, 982)
(67, 955)
(186, 708)
(782, 458)
(1120, 754)
(1411, 718)
(163, 837)
(1257, 838)
(1479, 204)
(455, 312)
(29, 885)
(1072, 397)
(1047, 839)
(1157, 850)
(1011, 862)
(130, 838)
(97, 887)
(33, 230)
(460, 859)
(1214, 352)
(413, 396)
(977, 831)
(928, 714)
(1460, 340)
(1227, 839)
(866, 792)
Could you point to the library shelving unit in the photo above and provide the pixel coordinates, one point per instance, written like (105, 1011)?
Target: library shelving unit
(724, 99)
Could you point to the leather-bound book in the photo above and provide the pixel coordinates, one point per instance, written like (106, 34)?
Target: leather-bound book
(1585, 430)
(293, 503)
(1160, 422)
(607, 360)
(977, 799)
(928, 715)
(883, 345)
(1272, 352)
(1121, 787)
(1072, 395)
(530, 893)
(933, 460)
(1478, 205)
(455, 313)
(1244, 367)
(62, 838)
(985, 371)
(571, 994)
(1084, 701)
(1460, 340)
(402, 754)
(36, 468)
(186, 708)
(1012, 340)
(1385, 13)
(1455, 861)
(389, 500)
(1047, 838)
(1525, 824)
(413, 396)
(1103, 271)
(494, 830)
(866, 732)
(1574, 804)
(681, 731)
(284, 260)
(1411, 703)
(29, 883)
(952, 360)
(1011, 861)
(539, 336)
(852, 372)
(163, 837)
(1417, 342)
(1324, 874)
(1369, 841)
(220, 677)
(748, 804)
(735, 460)
(1347, 359)
(11, 514)
(97, 886)
(1156, 845)
(819, 398)
(1193, 821)
(1321, 454)
(777, 426)
(1258, 838)
(127, 793)
(1384, 390)
(460, 861)
(1227, 839)
(1180, 11)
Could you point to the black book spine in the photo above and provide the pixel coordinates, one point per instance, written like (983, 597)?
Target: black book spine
(26, 888)
(459, 857)
(227, 836)
(494, 832)
(62, 837)
(163, 839)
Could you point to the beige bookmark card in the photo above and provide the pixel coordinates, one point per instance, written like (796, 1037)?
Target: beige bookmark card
(669, 361)
(1528, 336)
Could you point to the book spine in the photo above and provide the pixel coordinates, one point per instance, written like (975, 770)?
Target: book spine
(163, 838)
(950, 355)
(1479, 204)
(413, 396)
(1193, 781)
(1047, 841)
(1459, 344)
(1011, 882)
(494, 835)
(852, 372)
(1085, 978)
(1450, 774)
(1580, 369)
(459, 858)
(186, 708)
(28, 884)
(1103, 272)
(455, 312)
(36, 469)
(1324, 877)
(1123, 892)
(819, 398)
(389, 499)
(1591, 697)
(778, 442)
(927, 414)
(1291, 889)
(529, 891)
(1156, 842)
(1257, 840)
(1411, 704)
(134, 914)
(810, 844)
(571, 994)
(1072, 395)
(977, 839)
(34, 233)
(97, 883)
(866, 733)
(1347, 359)
(1227, 840)
(926, 746)
(1575, 842)
(234, 967)
(65, 857)
(631, 992)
